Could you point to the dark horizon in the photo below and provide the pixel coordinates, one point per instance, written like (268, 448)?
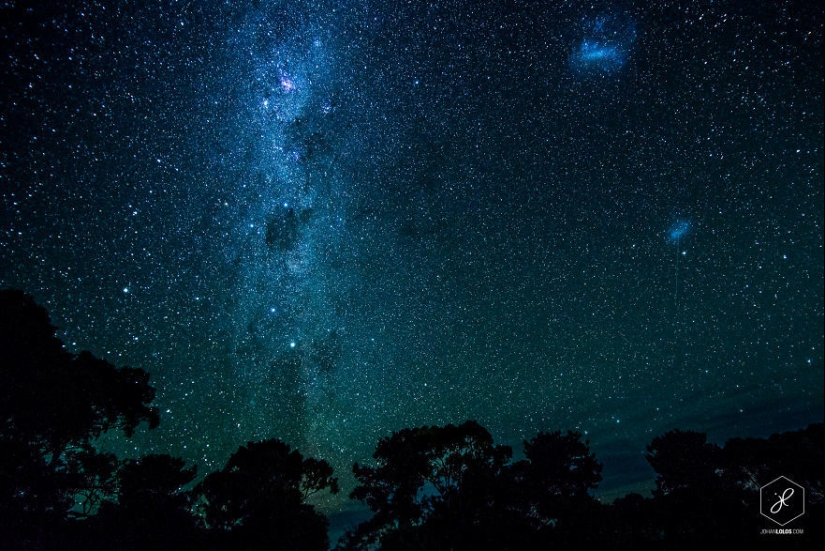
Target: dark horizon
(451, 486)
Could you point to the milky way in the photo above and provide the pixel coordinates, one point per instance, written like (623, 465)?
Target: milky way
(323, 222)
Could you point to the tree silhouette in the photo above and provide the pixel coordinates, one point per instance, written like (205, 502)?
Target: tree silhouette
(445, 487)
(798, 455)
(52, 405)
(432, 483)
(558, 472)
(257, 501)
(633, 523)
(698, 499)
(684, 460)
(151, 510)
(551, 487)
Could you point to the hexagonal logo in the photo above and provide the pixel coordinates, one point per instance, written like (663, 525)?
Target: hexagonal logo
(782, 500)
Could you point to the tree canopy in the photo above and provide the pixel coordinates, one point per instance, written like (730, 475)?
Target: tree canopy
(454, 485)
(57, 490)
(259, 497)
(53, 404)
(448, 487)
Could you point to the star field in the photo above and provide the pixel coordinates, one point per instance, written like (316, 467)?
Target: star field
(325, 221)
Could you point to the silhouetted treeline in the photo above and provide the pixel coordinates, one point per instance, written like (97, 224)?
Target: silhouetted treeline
(58, 492)
(440, 488)
(451, 488)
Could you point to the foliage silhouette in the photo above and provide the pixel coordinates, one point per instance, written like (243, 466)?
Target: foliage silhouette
(52, 405)
(151, 509)
(558, 472)
(452, 488)
(258, 500)
(431, 487)
(57, 491)
(452, 485)
(798, 455)
(682, 460)
(553, 486)
(707, 494)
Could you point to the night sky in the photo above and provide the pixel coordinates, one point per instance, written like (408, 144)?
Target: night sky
(326, 221)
